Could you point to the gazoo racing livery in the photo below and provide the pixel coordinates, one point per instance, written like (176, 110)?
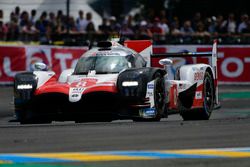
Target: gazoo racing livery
(112, 82)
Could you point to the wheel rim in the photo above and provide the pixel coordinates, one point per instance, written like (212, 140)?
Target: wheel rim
(208, 95)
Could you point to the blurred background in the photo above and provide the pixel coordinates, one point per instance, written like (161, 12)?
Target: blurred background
(164, 21)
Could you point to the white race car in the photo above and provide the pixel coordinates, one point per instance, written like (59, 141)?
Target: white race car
(112, 82)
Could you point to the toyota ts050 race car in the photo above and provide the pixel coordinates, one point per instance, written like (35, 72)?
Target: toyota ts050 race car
(112, 81)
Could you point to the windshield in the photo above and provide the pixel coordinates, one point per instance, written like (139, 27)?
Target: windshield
(102, 64)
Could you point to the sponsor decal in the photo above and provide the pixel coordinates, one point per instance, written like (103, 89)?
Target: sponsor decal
(77, 90)
(107, 54)
(75, 94)
(198, 95)
(150, 86)
(147, 113)
(198, 76)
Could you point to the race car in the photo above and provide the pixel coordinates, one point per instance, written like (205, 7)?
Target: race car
(113, 81)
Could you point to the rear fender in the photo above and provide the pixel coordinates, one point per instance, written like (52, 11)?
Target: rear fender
(194, 74)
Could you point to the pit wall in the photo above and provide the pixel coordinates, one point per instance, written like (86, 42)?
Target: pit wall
(233, 60)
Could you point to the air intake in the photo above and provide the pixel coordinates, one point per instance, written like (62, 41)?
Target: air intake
(104, 44)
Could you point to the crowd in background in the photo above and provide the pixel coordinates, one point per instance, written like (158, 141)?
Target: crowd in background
(27, 26)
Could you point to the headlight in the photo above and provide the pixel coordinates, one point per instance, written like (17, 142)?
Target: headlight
(129, 83)
(24, 86)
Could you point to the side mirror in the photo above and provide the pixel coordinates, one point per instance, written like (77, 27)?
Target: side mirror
(40, 67)
(165, 62)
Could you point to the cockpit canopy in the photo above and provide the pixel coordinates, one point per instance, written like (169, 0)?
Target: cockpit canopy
(108, 61)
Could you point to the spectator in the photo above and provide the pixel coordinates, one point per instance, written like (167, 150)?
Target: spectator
(33, 16)
(29, 32)
(129, 21)
(164, 26)
(126, 31)
(187, 29)
(3, 31)
(59, 16)
(17, 13)
(211, 24)
(24, 18)
(247, 29)
(144, 31)
(81, 23)
(174, 28)
(52, 20)
(29, 28)
(231, 24)
(72, 25)
(13, 28)
(60, 28)
(201, 32)
(196, 20)
(115, 27)
(85, 23)
(104, 27)
(243, 23)
(48, 34)
(220, 26)
(90, 27)
(42, 26)
(42, 23)
(156, 29)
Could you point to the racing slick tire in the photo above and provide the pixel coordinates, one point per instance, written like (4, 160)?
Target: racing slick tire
(159, 100)
(31, 120)
(25, 116)
(208, 94)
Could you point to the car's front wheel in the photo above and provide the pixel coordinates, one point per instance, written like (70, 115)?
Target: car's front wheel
(159, 99)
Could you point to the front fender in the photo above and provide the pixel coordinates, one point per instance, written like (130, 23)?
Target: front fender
(140, 75)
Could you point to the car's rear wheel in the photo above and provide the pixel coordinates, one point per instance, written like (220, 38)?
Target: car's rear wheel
(208, 104)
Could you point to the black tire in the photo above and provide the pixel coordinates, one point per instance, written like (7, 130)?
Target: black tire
(26, 117)
(159, 94)
(159, 100)
(208, 94)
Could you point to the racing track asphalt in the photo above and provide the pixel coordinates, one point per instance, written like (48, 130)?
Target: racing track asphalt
(229, 127)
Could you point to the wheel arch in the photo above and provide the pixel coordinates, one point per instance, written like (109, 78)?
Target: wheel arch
(141, 75)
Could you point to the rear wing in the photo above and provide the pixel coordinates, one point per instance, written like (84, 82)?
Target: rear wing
(213, 54)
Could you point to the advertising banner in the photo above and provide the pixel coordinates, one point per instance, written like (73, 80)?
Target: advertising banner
(22, 58)
(233, 60)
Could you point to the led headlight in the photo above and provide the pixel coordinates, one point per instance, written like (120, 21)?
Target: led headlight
(129, 83)
(24, 86)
